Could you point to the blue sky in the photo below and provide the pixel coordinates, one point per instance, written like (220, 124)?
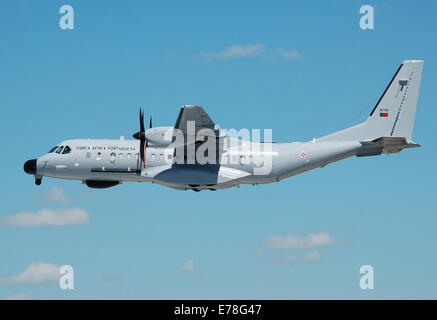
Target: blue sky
(305, 69)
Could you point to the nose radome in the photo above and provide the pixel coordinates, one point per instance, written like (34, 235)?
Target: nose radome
(30, 166)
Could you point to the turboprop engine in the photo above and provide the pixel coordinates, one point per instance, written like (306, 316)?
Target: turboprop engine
(161, 136)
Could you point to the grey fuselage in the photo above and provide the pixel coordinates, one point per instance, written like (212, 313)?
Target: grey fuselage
(241, 162)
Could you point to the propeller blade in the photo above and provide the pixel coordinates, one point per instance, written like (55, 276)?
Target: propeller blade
(140, 135)
(142, 144)
(150, 123)
(141, 120)
(145, 153)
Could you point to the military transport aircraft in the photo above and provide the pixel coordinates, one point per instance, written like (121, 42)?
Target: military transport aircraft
(195, 154)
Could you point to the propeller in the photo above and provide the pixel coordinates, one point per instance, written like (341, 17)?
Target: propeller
(141, 135)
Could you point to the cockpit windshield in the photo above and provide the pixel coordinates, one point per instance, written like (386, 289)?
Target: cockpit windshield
(53, 149)
(67, 149)
(60, 149)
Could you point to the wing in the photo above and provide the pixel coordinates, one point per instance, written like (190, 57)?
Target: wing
(190, 121)
(200, 120)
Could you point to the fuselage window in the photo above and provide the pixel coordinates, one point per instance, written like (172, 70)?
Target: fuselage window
(120, 156)
(53, 149)
(161, 157)
(99, 156)
(88, 154)
(67, 149)
(112, 157)
(60, 149)
(129, 156)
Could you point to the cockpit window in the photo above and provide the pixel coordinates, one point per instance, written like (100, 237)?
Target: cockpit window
(53, 149)
(67, 149)
(60, 149)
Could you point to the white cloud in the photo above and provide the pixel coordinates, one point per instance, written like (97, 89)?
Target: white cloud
(294, 241)
(56, 194)
(46, 217)
(18, 296)
(39, 272)
(189, 265)
(313, 256)
(259, 254)
(238, 51)
(288, 259)
(251, 50)
(289, 54)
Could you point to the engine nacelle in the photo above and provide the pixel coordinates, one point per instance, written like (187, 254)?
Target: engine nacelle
(101, 184)
(161, 136)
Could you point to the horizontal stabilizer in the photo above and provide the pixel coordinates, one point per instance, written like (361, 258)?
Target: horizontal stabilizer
(385, 145)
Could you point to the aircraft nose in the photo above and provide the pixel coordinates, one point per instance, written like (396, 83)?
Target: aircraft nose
(30, 166)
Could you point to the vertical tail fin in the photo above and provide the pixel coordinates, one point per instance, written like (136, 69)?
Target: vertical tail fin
(393, 115)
